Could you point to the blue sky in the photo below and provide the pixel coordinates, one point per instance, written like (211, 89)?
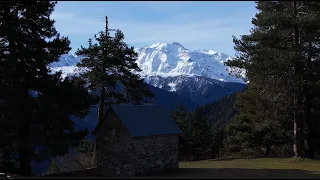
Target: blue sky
(196, 25)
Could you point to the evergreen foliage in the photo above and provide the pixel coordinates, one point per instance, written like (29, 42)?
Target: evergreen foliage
(35, 105)
(204, 129)
(281, 56)
(110, 63)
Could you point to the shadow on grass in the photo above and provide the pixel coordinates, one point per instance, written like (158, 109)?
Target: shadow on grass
(236, 173)
(212, 173)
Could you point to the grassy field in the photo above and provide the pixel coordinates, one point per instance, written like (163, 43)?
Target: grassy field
(263, 168)
(262, 163)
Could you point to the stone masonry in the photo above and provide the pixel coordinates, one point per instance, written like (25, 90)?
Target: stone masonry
(118, 153)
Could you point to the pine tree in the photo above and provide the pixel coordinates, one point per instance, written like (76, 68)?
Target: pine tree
(35, 105)
(180, 114)
(258, 125)
(309, 29)
(275, 55)
(197, 139)
(109, 64)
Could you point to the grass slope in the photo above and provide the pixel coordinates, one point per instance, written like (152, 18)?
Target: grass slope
(259, 163)
(260, 168)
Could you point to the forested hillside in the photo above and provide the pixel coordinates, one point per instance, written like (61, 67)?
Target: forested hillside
(204, 128)
(278, 113)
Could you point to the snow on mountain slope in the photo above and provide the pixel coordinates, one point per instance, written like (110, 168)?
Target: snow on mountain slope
(66, 60)
(67, 65)
(202, 90)
(168, 60)
(165, 60)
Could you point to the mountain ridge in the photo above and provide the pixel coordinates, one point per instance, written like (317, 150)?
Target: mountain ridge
(198, 76)
(163, 59)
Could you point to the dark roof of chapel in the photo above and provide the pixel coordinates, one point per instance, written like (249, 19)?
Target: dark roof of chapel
(146, 120)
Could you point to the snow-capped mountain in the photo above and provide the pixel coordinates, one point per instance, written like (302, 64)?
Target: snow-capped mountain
(199, 75)
(174, 59)
(66, 64)
(66, 60)
(165, 60)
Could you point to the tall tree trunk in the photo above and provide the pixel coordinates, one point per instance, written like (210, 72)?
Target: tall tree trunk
(101, 104)
(308, 128)
(102, 90)
(24, 131)
(296, 144)
(8, 167)
(297, 134)
(267, 151)
(24, 148)
(24, 159)
(307, 108)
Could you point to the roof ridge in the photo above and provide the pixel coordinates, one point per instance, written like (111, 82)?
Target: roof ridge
(137, 105)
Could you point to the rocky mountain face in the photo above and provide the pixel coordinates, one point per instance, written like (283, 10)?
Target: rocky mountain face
(165, 60)
(199, 89)
(193, 77)
(199, 75)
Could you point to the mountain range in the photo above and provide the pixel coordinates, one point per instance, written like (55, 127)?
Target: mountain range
(177, 75)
